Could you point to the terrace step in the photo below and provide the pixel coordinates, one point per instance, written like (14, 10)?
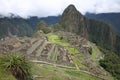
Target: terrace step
(50, 52)
(39, 51)
(34, 47)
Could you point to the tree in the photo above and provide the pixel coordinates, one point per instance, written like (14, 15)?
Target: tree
(111, 63)
(43, 26)
(57, 27)
(18, 65)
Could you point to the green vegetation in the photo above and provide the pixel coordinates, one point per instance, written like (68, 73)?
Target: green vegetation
(98, 32)
(53, 56)
(18, 65)
(15, 26)
(44, 27)
(57, 27)
(72, 50)
(111, 63)
(94, 51)
(78, 59)
(45, 72)
(55, 39)
(81, 75)
(5, 75)
(53, 73)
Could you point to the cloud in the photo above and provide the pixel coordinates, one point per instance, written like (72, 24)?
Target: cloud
(44, 8)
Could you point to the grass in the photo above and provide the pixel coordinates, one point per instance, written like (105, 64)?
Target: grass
(53, 56)
(5, 75)
(56, 40)
(81, 75)
(72, 50)
(78, 63)
(48, 72)
(95, 51)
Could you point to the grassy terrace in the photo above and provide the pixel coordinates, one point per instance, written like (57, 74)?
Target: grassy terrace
(55, 39)
(72, 50)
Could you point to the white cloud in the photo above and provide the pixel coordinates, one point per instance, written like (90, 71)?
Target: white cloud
(43, 8)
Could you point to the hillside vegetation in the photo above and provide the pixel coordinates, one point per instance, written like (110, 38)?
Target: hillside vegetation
(47, 72)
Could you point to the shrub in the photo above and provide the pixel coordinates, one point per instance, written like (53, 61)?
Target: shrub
(111, 63)
(43, 26)
(18, 65)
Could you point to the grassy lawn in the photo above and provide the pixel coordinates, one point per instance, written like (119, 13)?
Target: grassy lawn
(72, 50)
(56, 40)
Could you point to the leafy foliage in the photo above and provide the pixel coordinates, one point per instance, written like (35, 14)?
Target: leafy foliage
(18, 65)
(44, 27)
(111, 63)
(57, 27)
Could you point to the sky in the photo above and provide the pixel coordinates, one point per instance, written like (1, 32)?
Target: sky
(43, 8)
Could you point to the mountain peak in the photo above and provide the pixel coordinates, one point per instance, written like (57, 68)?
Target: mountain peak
(71, 7)
(70, 19)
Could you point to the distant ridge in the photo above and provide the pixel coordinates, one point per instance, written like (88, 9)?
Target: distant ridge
(16, 25)
(110, 18)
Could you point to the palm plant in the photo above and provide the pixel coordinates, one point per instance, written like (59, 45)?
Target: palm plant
(18, 65)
